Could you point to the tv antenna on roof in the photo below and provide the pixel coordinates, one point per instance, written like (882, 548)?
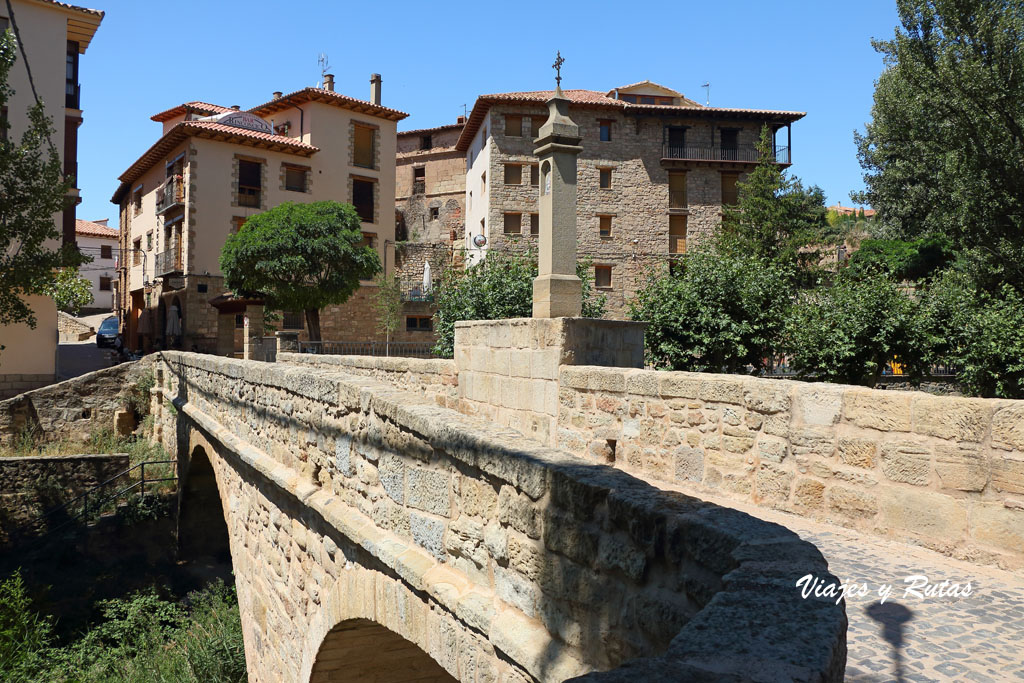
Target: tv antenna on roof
(324, 67)
(707, 87)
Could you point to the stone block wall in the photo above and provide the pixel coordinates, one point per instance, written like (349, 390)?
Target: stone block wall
(72, 409)
(502, 559)
(12, 384)
(943, 472)
(71, 329)
(29, 486)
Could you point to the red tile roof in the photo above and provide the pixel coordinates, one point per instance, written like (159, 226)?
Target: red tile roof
(204, 108)
(90, 229)
(210, 130)
(328, 97)
(420, 131)
(595, 99)
(76, 8)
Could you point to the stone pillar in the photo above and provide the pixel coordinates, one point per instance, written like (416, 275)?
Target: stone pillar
(253, 332)
(557, 292)
(225, 334)
(287, 342)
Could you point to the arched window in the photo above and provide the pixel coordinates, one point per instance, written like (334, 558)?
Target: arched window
(545, 176)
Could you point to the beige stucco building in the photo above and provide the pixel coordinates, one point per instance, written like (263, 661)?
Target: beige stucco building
(99, 242)
(53, 36)
(212, 168)
(653, 175)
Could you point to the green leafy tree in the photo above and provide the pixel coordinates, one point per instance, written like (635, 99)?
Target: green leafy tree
(903, 260)
(300, 257)
(33, 189)
(776, 217)
(942, 153)
(978, 334)
(499, 287)
(721, 312)
(70, 291)
(387, 302)
(847, 332)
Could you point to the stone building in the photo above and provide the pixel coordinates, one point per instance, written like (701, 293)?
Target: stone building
(52, 36)
(214, 167)
(653, 175)
(99, 242)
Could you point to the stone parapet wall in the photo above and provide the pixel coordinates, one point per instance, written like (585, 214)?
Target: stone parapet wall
(943, 472)
(29, 486)
(12, 384)
(502, 559)
(71, 329)
(73, 409)
(436, 379)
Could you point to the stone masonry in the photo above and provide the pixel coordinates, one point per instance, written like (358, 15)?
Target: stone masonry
(503, 560)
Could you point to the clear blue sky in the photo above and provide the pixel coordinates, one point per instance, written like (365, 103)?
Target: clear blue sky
(436, 56)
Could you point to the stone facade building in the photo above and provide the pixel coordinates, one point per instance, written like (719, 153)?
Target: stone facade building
(51, 37)
(653, 175)
(216, 166)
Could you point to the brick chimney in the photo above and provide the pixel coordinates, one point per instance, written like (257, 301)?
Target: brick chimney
(375, 88)
(236, 107)
(277, 94)
(329, 82)
(461, 119)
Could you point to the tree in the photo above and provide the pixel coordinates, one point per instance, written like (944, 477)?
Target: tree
(722, 312)
(70, 291)
(776, 217)
(300, 257)
(903, 260)
(499, 287)
(387, 302)
(942, 153)
(33, 189)
(847, 332)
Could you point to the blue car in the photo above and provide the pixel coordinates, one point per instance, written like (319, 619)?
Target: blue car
(107, 333)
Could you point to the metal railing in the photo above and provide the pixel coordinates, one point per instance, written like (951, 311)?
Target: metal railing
(168, 262)
(780, 367)
(96, 499)
(369, 348)
(419, 186)
(745, 154)
(170, 194)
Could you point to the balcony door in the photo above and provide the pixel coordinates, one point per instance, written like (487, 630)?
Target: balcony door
(676, 141)
(730, 143)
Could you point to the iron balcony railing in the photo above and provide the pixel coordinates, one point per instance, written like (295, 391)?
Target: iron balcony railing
(369, 348)
(748, 154)
(419, 186)
(168, 262)
(170, 194)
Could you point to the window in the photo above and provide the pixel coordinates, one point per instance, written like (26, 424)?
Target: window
(604, 226)
(605, 178)
(362, 199)
(730, 197)
(677, 191)
(250, 183)
(677, 234)
(419, 180)
(71, 89)
(603, 277)
(292, 320)
(105, 284)
(369, 240)
(295, 178)
(535, 123)
(513, 223)
(137, 201)
(513, 174)
(426, 142)
(419, 323)
(137, 252)
(646, 99)
(362, 152)
(534, 224)
(676, 139)
(534, 175)
(435, 213)
(483, 183)
(236, 223)
(730, 142)
(514, 126)
(240, 321)
(605, 127)
(202, 288)
(149, 241)
(106, 251)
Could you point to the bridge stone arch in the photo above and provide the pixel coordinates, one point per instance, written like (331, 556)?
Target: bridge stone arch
(360, 649)
(500, 559)
(202, 525)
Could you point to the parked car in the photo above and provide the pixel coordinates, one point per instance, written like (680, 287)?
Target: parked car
(107, 333)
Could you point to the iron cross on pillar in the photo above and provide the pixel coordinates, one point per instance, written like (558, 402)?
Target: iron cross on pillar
(557, 66)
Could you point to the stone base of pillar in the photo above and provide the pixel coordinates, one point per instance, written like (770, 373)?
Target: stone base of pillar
(557, 296)
(508, 369)
(253, 333)
(287, 342)
(226, 334)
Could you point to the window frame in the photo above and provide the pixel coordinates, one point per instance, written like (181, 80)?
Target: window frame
(534, 225)
(602, 232)
(517, 169)
(519, 125)
(518, 220)
(419, 325)
(108, 281)
(372, 182)
(603, 126)
(601, 176)
(356, 159)
(106, 251)
(284, 320)
(294, 168)
(253, 194)
(603, 268)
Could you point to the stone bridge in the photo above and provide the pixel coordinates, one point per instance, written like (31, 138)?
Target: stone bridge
(377, 535)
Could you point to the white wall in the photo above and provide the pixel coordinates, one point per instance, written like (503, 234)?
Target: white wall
(100, 267)
(478, 162)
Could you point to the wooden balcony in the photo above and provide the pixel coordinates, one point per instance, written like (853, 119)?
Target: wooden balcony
(168, 262)
(674, 156)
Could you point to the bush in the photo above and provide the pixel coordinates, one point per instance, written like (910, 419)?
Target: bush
(903, 260)
(981, 335)
(720, 313)
(499, 287)
(849, 331)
